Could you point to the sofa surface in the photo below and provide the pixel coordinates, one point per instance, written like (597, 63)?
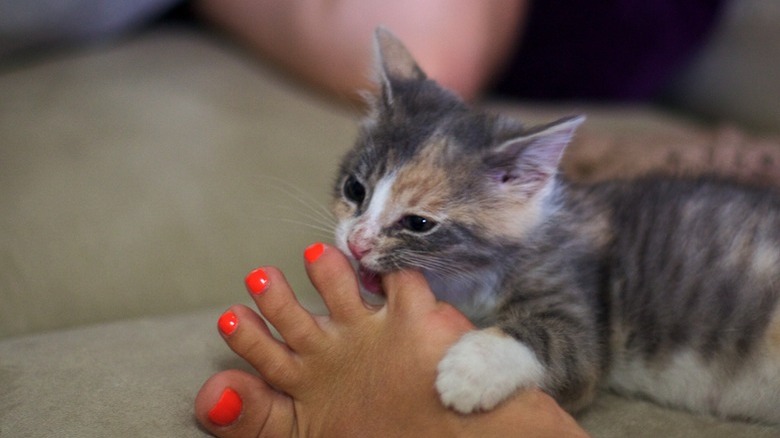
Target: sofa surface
(141, 180)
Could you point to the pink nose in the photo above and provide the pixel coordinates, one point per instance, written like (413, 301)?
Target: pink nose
(357, 251)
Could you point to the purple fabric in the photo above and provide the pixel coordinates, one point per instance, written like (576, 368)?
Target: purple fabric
(623, 50)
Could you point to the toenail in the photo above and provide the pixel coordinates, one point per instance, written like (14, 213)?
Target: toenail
(228, 323)
(257, 281)
(227, 409)
(313, 252)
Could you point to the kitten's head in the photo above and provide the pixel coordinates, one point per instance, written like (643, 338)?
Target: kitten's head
(434, 185)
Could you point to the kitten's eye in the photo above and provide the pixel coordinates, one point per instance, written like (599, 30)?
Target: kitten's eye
(354, 190)
(417, 224)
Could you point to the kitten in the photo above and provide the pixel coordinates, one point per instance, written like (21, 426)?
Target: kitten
(663, 288)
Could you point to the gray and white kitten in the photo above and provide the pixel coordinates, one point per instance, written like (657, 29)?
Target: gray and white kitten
(663, 288)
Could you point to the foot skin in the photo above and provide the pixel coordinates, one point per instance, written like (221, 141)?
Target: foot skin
(361, 371)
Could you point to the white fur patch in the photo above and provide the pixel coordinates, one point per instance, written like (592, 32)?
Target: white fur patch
(755, 393)
(369, 223)
(684, 381)
(484, 368)
(342, 233)
(687, 381)
(765, 261)
(380, 199)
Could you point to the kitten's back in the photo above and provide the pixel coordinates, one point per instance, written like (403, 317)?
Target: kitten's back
(695, 272)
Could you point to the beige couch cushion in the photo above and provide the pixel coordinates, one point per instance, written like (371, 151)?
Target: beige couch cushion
(148, 178)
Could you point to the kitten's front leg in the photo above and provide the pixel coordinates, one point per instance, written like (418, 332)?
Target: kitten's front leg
(485, 367)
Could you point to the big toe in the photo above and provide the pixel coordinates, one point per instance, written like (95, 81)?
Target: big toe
(237, 404)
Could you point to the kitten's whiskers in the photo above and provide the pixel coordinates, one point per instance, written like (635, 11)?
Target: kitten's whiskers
(313, 216)
(304, 198)
(439, 268)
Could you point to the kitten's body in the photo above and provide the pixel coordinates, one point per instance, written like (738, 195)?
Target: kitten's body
(666, 288)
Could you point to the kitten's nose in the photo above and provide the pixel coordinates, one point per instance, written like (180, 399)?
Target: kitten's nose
(357, 251)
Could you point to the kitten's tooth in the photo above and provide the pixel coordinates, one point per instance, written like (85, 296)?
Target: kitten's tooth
(371, 281)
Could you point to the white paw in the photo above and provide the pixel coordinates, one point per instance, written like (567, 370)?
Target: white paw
(483, 368)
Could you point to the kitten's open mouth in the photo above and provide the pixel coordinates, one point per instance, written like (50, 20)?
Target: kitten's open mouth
(371, 281)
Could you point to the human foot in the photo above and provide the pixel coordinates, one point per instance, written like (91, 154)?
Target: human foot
(360, 371)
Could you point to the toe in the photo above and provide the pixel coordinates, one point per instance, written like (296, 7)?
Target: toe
(237, 404)
(276, 301)
(248, 335)
(333, 277)
(408, 291)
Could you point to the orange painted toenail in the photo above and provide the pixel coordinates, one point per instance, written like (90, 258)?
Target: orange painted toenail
(227, 409)
(256, 281)
(313, 252)
(228, 323)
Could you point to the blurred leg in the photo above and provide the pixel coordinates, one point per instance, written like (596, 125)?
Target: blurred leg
(460, 43)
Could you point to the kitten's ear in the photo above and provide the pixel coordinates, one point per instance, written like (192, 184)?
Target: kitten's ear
(529, 161)
(394, 62)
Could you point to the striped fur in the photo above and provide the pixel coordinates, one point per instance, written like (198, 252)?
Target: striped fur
(658, 287)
